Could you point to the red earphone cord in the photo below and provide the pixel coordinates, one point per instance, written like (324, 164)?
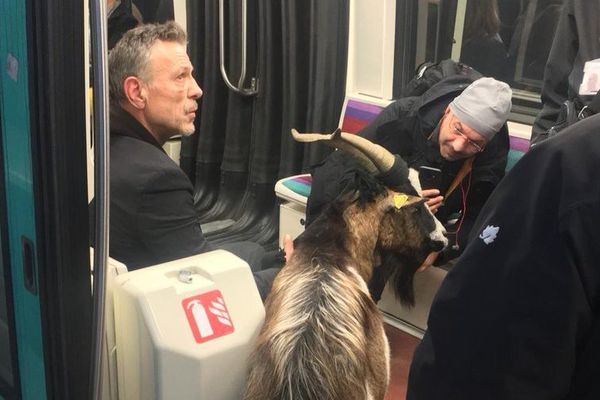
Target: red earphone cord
(464, 206)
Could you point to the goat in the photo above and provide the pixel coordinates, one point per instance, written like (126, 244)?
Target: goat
(323, 335)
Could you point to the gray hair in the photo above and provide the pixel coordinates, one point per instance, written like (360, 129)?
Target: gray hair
(130, 55)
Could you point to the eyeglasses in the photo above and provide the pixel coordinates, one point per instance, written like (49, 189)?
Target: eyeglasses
(458, 131)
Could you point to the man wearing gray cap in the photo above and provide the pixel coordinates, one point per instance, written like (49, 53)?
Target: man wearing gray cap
(480, 110)
(457, 129)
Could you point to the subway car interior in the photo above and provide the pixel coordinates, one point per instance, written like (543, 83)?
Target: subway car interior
(76, 323)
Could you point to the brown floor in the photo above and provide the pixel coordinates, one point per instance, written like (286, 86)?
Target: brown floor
(402, 347)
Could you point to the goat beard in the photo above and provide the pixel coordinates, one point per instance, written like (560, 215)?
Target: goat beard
(399, 271)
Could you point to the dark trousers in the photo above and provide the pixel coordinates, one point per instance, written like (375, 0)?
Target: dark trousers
(264, 265)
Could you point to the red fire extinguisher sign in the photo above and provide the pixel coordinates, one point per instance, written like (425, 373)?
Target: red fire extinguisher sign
(208, 316)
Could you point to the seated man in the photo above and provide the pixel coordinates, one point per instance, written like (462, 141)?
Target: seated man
(460, 131)
(154, 97)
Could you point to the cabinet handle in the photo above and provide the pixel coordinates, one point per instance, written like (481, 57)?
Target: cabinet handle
(29, 275)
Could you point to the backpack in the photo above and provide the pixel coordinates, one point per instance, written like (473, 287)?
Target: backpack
(428, 74)
(570, 112)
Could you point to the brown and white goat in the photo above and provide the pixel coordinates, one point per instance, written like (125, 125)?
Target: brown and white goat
(323, 335)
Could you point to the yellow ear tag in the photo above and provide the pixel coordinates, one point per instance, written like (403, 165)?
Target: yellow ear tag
(400, 199)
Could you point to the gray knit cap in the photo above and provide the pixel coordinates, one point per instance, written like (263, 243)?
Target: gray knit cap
(483, 106)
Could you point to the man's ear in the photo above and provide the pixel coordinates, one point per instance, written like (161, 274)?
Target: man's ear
(135, 92)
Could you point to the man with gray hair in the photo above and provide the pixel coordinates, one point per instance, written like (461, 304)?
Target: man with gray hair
(456, 132)
(153, 98)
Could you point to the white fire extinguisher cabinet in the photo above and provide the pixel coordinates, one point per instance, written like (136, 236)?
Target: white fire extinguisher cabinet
(184, 329)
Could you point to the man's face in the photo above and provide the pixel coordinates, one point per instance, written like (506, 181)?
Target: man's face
(171, 91)
(457, 140)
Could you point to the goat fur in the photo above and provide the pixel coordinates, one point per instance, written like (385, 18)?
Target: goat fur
(323, 335)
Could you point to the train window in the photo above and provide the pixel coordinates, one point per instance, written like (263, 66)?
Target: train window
(507, 39)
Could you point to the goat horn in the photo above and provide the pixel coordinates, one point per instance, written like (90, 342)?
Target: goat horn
(380, 159)
(379, 155)
(334, 140)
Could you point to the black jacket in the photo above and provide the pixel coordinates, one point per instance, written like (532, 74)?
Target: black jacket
(487, 55)
(576, 40)
(518, 317)
(120, 21)
(152, 214)
(403, 128)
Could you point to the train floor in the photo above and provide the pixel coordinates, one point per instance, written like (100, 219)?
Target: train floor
(402, 348)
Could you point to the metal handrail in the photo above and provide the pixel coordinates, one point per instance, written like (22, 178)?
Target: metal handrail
(101, 187)
(253, 90)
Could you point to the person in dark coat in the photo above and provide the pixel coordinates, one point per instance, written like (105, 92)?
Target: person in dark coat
(482, 47)
(154, 97)
(123, 15)
(576, 40)
(456, 126)
(518, 317)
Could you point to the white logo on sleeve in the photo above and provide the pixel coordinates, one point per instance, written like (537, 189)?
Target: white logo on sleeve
(489, 234)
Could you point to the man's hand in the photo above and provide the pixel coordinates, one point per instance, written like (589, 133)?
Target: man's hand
(434, 200)
(428, 262)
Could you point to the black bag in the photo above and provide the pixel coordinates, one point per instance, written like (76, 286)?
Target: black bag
(570, 112)
(428, 74)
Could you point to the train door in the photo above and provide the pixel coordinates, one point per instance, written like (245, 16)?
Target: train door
(45, 297)
(23, 325)
(8, 378)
